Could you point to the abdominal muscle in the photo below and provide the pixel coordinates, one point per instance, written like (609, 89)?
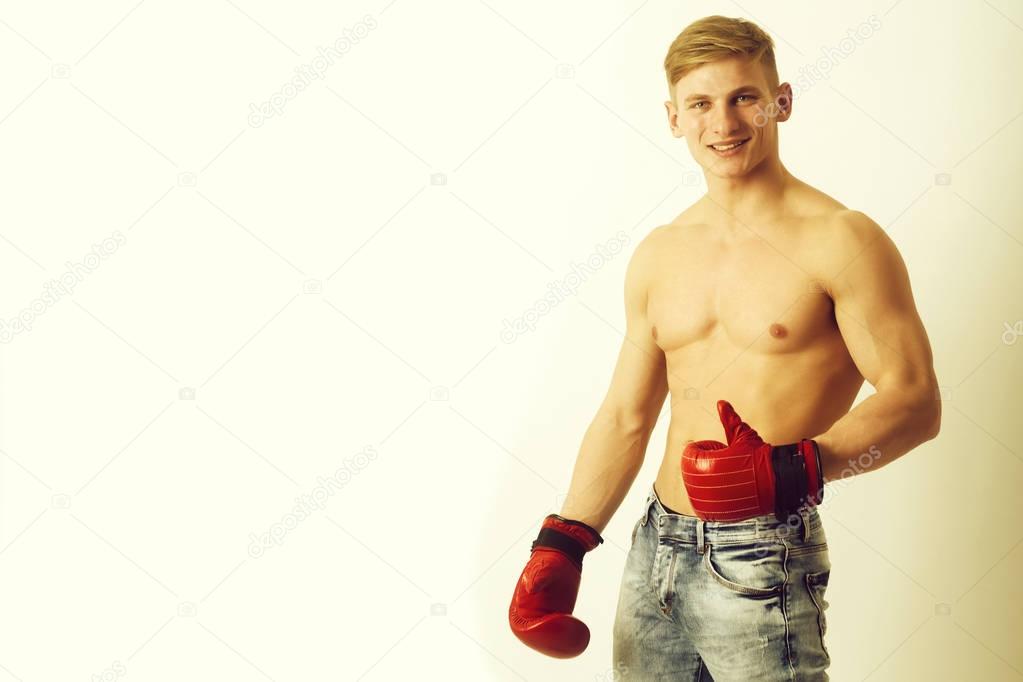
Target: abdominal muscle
(784, 398)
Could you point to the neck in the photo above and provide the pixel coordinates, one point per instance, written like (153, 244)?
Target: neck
(753, 196)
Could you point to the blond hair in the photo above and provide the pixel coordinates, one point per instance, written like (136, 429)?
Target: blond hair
(714, 38)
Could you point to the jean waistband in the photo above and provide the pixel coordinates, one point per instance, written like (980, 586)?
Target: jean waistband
(686, 528)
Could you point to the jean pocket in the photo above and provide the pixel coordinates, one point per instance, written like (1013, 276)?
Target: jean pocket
(817, 585)
(756, 571)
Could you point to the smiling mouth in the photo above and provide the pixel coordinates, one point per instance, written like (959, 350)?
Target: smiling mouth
(728, 147)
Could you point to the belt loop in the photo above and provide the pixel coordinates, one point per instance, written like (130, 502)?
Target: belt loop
(804, 517)
(651, 496)
(700, 548)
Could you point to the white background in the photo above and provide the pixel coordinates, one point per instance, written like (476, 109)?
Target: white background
(335, 280)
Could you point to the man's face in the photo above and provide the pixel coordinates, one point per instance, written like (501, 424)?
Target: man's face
(724, 103)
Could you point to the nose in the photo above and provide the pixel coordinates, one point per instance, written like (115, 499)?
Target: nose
(725, 122)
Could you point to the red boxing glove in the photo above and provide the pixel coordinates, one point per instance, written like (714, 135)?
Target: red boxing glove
(541, 607)
(748, 477)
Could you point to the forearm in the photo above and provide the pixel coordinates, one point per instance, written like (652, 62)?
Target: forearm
(878, 431)
(609, 459)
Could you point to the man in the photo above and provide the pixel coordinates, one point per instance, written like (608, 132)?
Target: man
(766, 298)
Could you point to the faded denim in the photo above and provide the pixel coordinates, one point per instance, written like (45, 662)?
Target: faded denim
(737, 601)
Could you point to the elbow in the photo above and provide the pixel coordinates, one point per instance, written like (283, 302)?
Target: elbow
(936, 423)
(929, 409)
(631, 424)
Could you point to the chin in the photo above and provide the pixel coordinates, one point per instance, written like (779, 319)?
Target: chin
(727, 173)
(731, 169)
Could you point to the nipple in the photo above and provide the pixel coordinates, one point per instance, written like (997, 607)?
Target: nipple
(778, 331)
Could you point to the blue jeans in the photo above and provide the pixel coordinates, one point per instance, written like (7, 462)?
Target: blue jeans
(705, 600)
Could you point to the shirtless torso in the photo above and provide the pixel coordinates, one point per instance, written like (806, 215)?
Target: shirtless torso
(742, 313)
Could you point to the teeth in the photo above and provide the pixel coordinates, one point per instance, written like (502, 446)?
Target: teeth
(727, 147)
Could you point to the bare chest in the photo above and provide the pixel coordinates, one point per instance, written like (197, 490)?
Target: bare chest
(756, 296)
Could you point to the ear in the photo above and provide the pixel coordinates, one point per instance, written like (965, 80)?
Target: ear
(783, 102)
(672, 111)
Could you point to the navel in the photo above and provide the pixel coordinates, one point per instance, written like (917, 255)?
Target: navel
(653, 331)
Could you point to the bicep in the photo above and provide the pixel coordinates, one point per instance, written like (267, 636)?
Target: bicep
(875, 310)
(638, 386)
(639, 382)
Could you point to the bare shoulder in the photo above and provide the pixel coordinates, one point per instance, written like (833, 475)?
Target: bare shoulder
(669, 235)
(661, 246)
(640, 273)
(689, 225)
(852, 233)
(856, 247)
(647, 250)
(806, 200)
(854, 224)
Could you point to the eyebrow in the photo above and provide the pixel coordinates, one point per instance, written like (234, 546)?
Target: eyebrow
(690, 98)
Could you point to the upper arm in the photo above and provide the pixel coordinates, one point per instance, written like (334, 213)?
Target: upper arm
(639, 383)
(874, 308)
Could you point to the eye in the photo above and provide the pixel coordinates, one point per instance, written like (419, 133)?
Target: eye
(696, 105)
(747, 97)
